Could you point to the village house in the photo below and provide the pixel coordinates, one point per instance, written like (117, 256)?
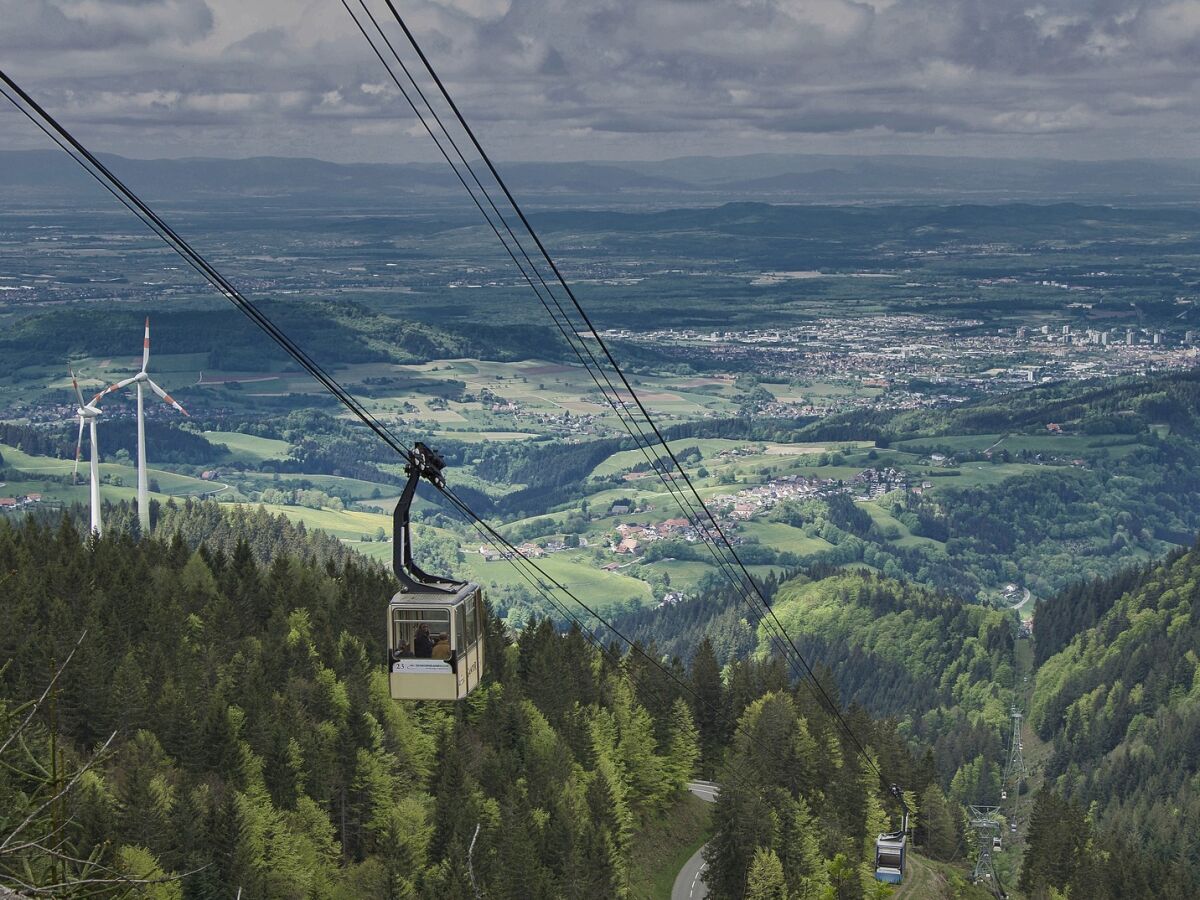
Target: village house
(673, 527)
(18, 502)
(744, 509)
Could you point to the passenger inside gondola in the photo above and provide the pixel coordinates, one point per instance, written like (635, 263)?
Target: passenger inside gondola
(423, 643)
(441, 650)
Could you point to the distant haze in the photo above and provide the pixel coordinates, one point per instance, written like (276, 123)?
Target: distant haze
(618, 80)
(38, 176)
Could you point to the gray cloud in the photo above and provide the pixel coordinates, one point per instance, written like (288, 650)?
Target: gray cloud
(612, 78)
(38, 25)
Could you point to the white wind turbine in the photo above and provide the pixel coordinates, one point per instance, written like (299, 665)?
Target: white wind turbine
(88, 414)
(141, 379)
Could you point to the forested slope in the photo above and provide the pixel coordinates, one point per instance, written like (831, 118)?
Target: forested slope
(943, 667)
(940, 668)
(1121, 705)
(226, 720)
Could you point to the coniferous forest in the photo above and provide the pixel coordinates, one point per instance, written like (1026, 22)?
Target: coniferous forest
(206, 712)
(210, 722)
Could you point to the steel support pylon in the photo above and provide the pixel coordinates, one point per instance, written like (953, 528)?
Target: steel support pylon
(1014, 770)
(987, 826)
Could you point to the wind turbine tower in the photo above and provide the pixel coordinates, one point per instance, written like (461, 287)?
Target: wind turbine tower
(142, 379)
(88, 414)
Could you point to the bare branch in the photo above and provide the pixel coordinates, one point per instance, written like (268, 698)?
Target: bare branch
(124, 879)
(37, 704)
(117, 877)
(36, 842)
(59, 795)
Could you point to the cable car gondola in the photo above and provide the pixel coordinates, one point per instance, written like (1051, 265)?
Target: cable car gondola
(435, 625)
(891, 851)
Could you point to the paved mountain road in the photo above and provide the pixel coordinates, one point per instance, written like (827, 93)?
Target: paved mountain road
(688, 884)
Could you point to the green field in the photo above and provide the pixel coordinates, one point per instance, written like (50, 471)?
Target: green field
(540, 388)
(783, 537)
(349, 524)
(708, 447)
(248, 447)
(1059, 445)
(354, 488)
(170, 483)
(575, 571)
(973, 474)
(884, 519)
(685, 574)
(475, 437)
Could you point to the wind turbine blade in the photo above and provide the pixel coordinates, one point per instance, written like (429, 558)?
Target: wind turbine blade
(78, 392)
(78, 451)
(115, 387)
(167, 398)
(146, 346)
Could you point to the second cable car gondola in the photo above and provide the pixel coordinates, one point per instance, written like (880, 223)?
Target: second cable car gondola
(435, 625)
(891, 849)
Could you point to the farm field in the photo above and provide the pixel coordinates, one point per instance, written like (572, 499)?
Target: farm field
(349, 525)
(785, 538)
(249, 447)
(884, 519)
(603, 591)
(170, 483)
(710, 448)
(1058, 445)
(351, 488)
(685, 574)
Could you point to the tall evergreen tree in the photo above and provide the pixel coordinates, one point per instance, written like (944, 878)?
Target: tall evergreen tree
(765, 881)
(708, 703)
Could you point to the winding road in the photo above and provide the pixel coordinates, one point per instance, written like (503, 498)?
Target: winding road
(688, 885)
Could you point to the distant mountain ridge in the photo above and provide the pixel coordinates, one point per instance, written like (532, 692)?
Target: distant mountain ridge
(31, 174)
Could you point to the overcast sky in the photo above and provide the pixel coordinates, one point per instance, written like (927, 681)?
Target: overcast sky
(618, 79)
